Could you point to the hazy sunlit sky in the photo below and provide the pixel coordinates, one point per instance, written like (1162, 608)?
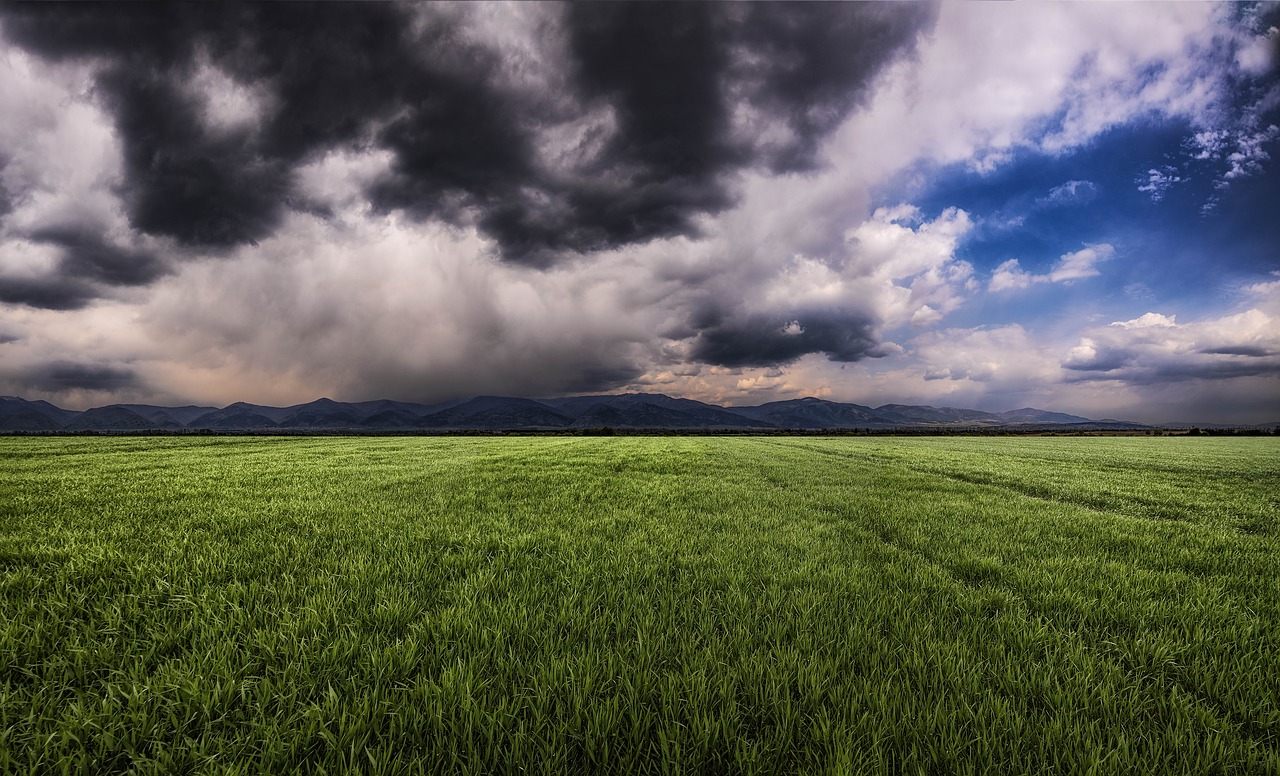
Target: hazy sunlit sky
(991, 205)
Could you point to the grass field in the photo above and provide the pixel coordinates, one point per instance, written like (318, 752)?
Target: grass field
(634, 605)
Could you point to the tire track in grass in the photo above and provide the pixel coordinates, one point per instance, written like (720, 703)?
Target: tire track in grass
(1040, 494)
(1044, 494)
(1119, 658)
(1146, 480)
(1122, 657)
(1146, 509)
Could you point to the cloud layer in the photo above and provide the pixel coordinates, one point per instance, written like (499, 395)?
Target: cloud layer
(275, 202)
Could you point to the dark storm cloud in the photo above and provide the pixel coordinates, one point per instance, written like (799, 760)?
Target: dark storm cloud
(1102, 360)
(363, 76)
(86, 255)
(672, 74)
(67, 375)
(1251, 351)
(183, 181)
(6, 199)
(213, 187)
(54, 293)
(599, 377)
(86, 264)
(770, 340)
(1161, 373)
(1216, 370)
(1138, 366)
(807, 64)
(456, 146)
(660, 69)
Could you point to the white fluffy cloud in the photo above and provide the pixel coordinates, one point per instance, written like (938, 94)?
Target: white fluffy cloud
(997, 77)
(1070, 267)
(1155, 348)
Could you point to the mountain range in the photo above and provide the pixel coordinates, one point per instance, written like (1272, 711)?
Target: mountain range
(494, 413)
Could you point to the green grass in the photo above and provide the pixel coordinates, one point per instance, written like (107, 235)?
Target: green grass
(634, 605)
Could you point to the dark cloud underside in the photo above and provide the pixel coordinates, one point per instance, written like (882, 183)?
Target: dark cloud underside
(807, 64)
(332, 69)
(344, 76)
(672, 72)
(6, 199)
(762, 340)
(55, 293)
(85, 254)
(1164, 373)
(1250, 351)
(62, 376)
(185, 182)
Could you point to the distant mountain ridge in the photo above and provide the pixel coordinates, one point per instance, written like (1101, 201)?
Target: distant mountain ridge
(653, 411)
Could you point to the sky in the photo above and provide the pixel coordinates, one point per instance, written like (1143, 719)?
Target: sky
(987, 205)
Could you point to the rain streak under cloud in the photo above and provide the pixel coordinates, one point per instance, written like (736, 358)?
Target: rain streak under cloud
(731, 202)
